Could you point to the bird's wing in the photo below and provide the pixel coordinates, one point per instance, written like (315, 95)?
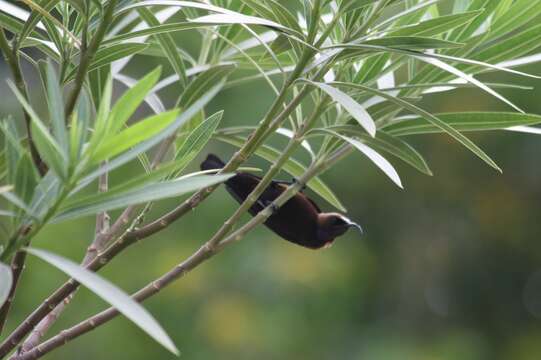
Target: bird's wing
(281, 187)
(315, 205)
(241, 186)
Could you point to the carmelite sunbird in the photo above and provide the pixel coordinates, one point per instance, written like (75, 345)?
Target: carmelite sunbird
(299, 220)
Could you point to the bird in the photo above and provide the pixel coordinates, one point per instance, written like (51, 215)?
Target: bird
(299, 220)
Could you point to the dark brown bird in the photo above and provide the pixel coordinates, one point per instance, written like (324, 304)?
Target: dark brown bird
(299, 220)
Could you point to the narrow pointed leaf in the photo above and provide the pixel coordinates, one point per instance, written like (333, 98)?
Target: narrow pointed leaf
(130, 101)
(133, 135)
(197, 139)
(222, 19)
(390, 144)
(107, 55)
(432, 119)
(436, 26)
(48, 148)
(185, 116)
(466, 121)
(101, 202)
(413, 42)
(56, 108)
(167, 43)
(111, 294)
(350, 105)
(373, 155)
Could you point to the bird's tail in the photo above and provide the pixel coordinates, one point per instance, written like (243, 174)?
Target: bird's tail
(212, 162)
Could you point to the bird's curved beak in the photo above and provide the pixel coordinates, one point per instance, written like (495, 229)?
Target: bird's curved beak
(352, 224)
(356, 226)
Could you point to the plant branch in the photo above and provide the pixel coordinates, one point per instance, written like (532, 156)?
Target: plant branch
(133, 236)
(17, 267)
(18, 261)
(102, 225)
(205, 252)
(266, 180)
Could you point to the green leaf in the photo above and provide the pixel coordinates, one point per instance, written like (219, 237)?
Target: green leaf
(274, 11)
(419, 8)
(372, 68)
(453, 70)
(35, 17)
(197, 139)
(466, 32)
(133, 135)
(101, 202)
(513, 46)
(373, 155)
(111, 294)
(225, 19)
(130, 101)
(436, 26)
(100, 125)
(107, 55)
(15, 200)
(350, 5)
(47, 147)
(12, 147)
(97, 80)
(466, 121)
(26, 178)
(79, 125)
(390, 144)
(436, 60)
(168, 45)
(292, 166)
(432, 119)
(413, 42)
(56, 108)
(152, 99)
(203, 83)
(350, 105)
(185, 116)
(153, 30)
(520, 14)
(6, 280)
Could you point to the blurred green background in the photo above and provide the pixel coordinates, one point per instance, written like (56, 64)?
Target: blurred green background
(449, 268)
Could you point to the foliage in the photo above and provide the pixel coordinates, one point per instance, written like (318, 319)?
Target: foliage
(348, 76)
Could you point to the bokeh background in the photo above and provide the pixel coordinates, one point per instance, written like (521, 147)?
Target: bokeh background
(449, 268)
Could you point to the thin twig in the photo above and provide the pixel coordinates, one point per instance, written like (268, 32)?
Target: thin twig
(17, 267)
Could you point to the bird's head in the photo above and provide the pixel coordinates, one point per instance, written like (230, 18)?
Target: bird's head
(332, 225)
